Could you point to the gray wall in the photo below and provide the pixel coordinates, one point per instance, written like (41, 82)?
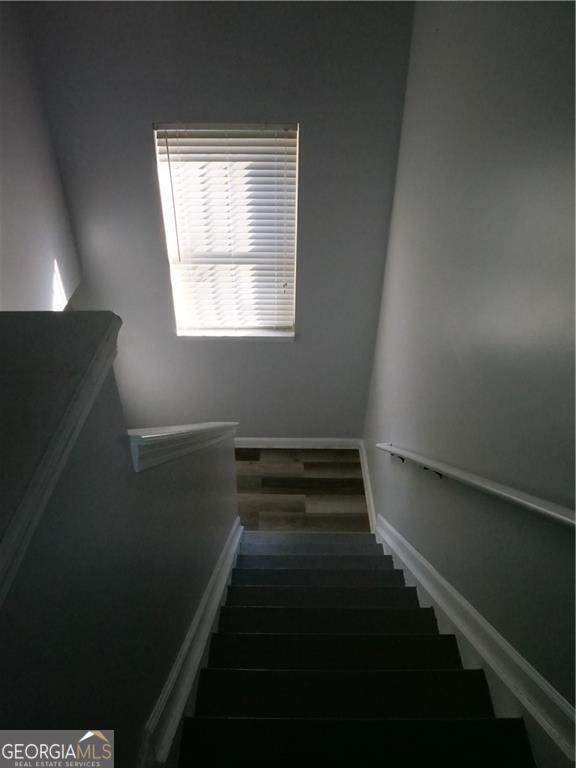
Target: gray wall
(474, 363)
(110, 582)
(34, 226)
(111, 69)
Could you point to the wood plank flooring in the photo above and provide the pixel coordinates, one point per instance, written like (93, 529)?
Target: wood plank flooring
(301, 490)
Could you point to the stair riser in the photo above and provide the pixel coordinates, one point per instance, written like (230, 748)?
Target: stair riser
(333, 652)
(325, 621)
(315, 562)
(244, 693)
(325, 578)
(324, 597)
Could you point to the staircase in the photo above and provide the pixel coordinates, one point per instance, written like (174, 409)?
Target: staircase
(323, 652)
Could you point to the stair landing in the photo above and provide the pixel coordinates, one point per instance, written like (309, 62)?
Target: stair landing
(301, 490)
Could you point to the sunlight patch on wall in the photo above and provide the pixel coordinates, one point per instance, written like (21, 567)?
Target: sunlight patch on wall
(59, 299)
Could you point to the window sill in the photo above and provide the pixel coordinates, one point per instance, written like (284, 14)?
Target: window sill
(255, 335)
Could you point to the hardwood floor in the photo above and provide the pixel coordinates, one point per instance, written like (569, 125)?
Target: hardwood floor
(301, 490)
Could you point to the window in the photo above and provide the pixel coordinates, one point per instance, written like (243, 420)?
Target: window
(229, 201)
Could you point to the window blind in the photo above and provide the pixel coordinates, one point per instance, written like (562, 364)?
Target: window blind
(229, 201)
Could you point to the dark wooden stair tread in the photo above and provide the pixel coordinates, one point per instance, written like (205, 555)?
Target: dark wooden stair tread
(323, 597)
(451, 743)
(309, 577)
(277, 651)
(259, 543)
(344, 693)
(356, 621)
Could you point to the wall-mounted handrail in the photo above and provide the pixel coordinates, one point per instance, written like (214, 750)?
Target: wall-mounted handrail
(156, 445)
(555, 512)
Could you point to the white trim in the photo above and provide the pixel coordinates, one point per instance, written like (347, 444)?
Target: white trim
(550, 509)
(164, 720)
(298, 442)
(368, 486)
(254, 334)
(156, 445)
(549, 708)
(27, 516)
(236, 127)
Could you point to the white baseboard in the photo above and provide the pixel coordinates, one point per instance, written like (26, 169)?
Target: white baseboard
(165, 718)
(298, 442)
(367, 487)
(533, 693)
